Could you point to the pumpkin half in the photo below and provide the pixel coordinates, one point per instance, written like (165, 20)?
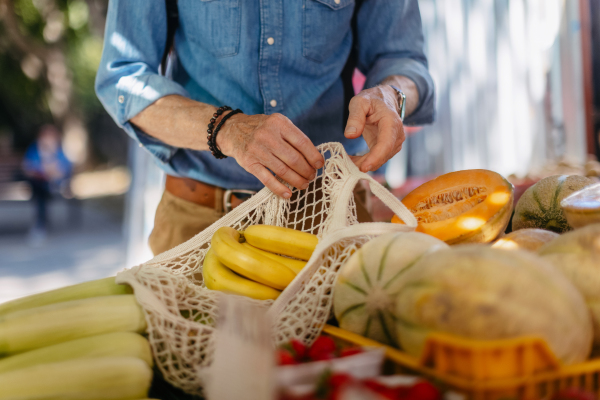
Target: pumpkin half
(471, 206)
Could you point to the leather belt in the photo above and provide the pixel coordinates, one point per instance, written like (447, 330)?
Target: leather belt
(222, 200)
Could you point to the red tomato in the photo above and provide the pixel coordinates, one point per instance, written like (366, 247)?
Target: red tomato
(299, 349)
(322, 349)
(573, 394)
(350, 351)
(423, 391)
(285, 358)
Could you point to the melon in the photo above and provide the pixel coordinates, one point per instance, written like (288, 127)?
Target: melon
(539, 206)
(471, 206)
(525, 239)
(583, 207)
(482, 293)
(364, 293)
(577, 255)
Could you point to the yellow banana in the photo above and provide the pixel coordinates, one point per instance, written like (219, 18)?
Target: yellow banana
(278, 240)
(218, 277)
(294, 265)
(249, 262)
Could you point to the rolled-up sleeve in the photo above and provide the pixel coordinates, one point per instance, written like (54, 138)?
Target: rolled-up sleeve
(390, 42)
(128, 80)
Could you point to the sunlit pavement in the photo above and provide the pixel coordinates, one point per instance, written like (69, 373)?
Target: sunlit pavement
(71, 253)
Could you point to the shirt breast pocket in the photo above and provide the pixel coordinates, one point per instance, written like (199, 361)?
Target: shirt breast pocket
(326, 23)
(214, 25)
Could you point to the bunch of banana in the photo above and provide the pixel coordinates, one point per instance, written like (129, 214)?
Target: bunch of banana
(255, 268)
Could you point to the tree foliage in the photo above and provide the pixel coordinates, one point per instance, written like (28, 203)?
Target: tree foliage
(49, 54)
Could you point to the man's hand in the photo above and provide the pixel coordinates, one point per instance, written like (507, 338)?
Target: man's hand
(257, 142)
(374, 115)
(260, 143)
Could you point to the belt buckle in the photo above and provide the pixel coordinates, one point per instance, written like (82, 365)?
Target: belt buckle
(230, 192)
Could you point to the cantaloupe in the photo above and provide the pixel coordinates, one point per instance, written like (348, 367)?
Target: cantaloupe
(577, 255)
(482, 293)
(525, 239)
(583, 207)
(539, 206)
(364, 293)
(471, 206)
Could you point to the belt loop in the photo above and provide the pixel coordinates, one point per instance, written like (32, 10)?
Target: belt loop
(219, 199)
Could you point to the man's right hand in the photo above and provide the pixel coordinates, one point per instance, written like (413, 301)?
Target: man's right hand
(260, 143)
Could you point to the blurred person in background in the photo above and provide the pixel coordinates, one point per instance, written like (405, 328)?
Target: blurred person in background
(288, 66)
(48, 171)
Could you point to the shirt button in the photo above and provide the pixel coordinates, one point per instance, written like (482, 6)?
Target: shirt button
(337, 1)
(121, 99)
(270, 41)
(273, 103)
(141, 145)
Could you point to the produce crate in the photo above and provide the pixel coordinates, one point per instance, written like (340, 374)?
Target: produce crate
(522, 368)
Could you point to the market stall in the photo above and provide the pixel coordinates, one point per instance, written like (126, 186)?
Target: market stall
(296, 300)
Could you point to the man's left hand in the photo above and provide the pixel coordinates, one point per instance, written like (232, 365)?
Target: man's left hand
(374, 115)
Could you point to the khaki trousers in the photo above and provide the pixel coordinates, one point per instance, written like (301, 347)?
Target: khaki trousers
(179, 220)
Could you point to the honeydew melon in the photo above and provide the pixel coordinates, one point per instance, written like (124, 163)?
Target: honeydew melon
(539, 206)
(525, 239)
(583, 207)
(364, 293)
(482, 293)
(577, 255)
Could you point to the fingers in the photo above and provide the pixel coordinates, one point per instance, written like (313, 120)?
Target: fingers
(269, 180)
(296, 161)
(358, 160)
(275, 144)
(297, 139)
(359, 109)
(286, 173)
(389, 139)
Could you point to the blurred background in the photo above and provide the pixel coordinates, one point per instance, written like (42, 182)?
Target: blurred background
(518, 92)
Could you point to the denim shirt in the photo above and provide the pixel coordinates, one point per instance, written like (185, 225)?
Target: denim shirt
(262, 56)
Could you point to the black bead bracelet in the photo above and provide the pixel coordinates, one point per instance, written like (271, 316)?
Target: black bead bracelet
(211, 126)
(212, 131)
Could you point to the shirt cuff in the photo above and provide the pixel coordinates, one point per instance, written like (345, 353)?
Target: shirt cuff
(134, 94)
(160, 150)
(416, 72)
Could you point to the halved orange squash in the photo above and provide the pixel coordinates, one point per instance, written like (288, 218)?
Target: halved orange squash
(471, 206)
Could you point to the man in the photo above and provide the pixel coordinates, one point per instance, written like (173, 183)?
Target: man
(281, 62)
(48, 170)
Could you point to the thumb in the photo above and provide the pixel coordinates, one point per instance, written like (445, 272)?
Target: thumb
(359, 107)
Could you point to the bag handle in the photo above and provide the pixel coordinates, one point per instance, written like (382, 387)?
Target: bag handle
(340, 217)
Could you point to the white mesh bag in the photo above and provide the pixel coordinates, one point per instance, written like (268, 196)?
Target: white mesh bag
(181, 311)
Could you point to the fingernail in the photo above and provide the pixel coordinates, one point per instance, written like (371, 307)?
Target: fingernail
(286, 195)
(368, 168)
(305, 186)
(350, 129)
(319, 164)
(313, 176)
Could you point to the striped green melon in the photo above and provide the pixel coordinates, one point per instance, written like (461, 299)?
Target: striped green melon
(363, 298)
(577, 255)
(482, 293)
(539, 206)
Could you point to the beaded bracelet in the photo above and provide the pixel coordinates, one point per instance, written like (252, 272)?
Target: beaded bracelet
(212, 140)
(211, 126)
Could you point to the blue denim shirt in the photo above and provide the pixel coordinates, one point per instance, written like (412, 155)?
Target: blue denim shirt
(262, 56)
